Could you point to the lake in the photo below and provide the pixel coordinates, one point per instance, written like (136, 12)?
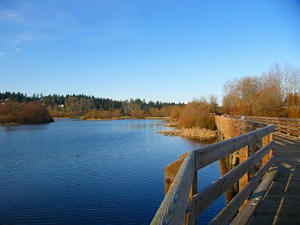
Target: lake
(89, 172)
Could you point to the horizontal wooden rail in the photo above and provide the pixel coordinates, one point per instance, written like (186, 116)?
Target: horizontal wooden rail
(173, 207)
(209, 154)
(216, 189)
(230, 210)
(244, 217)
(182, 203)
(287, 126)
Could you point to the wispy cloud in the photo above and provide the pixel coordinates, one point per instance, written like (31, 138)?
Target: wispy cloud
(7, 15)
(22, 38)
(18, 49)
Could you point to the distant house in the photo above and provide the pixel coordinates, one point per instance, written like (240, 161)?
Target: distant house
(4, 100)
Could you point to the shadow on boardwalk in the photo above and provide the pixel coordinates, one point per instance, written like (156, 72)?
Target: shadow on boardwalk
(282, 202)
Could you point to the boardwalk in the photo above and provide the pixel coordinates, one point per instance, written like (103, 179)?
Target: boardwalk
(246, 156)
(282, 203)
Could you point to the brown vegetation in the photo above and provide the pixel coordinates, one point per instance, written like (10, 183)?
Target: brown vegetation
(198, 113)
(200, 134)
(132, 110)
(194, 120)
(101, 114)
(61, 114)
(275, 93)
(24, 113)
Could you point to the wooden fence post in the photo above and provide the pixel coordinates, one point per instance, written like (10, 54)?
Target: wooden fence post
(239, 128)
(265, 141)
(170, 174)
(190, 217)
(271, 138)
(244, 155)
(253, 146)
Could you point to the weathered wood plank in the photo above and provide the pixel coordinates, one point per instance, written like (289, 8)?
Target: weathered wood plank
(244, 217)
(212, 192)
(170, 173)
(230, 210)
(173, 207)
(265, 141)
(209, 154)
(271, 138)
(244, 154)
(283, 125)
(182, 204)
(279, 205)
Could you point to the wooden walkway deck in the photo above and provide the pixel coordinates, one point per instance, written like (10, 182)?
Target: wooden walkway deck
(281, 204)
(275, 199)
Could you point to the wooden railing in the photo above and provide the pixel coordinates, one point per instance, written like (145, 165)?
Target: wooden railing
(183, 203)
(282, 125)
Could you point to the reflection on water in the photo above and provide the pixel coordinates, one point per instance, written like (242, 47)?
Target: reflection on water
(24, 127)
(89, 172)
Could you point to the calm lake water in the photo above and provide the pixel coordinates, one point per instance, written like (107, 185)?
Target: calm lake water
(89, 172)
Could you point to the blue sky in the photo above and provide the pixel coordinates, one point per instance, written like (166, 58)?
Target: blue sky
(154, 50)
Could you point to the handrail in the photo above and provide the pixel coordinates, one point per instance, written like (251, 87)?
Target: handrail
(211, 153)
(172, 209)
(209, 194)
(182, 204)
(230, 210)
(288, 126)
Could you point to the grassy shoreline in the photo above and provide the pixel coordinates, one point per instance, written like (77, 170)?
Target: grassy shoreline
(129, 118)
(195, 134)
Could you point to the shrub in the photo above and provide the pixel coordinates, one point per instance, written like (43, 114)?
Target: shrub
(24, 113)
(139, 114)
(101, 114)
(197, 114)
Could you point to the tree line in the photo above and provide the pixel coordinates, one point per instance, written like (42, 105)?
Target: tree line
(275, 93)
(90, 107)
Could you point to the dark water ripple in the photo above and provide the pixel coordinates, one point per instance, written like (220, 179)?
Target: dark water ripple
(89, 172)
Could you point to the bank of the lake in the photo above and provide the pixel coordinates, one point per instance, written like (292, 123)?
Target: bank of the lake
(89, 172)
(197, 134)
(125, 118)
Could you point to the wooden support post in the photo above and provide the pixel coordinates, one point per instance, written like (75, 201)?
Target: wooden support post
(298, 125)
(190, 217)
(265, 141)
(271, 138)
(253, 146)
(254, 126)
(244, 154)
(239, 128)
(170, 174)
(224, 168)
(245, 127)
